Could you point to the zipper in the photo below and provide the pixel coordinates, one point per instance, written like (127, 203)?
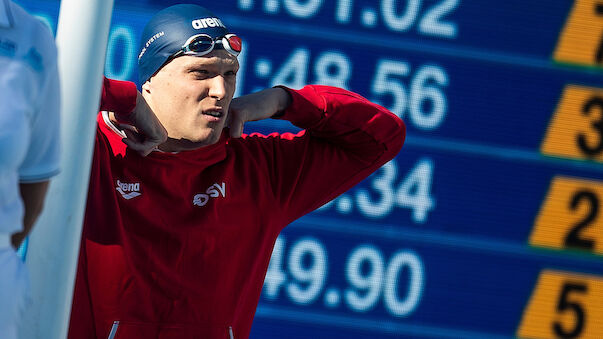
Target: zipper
(113, 329)
(116, 325)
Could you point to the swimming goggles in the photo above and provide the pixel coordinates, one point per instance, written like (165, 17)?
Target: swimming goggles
(202, 44)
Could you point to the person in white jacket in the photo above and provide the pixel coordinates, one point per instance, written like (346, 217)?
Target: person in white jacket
(29, 145)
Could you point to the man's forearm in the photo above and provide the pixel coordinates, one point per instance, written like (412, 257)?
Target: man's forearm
(33, 195)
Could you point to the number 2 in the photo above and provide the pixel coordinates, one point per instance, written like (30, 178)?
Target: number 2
(573, 237)
(431, 24)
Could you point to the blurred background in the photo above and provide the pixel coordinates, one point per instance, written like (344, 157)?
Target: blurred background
(489, 223)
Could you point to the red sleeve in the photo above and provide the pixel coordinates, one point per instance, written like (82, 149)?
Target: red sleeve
(346, 119)
(118, 96)
(346, 138)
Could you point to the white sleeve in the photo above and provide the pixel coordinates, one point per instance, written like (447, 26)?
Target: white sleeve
(42, 159)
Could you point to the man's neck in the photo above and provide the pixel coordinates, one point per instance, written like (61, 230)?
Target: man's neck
(179, 145)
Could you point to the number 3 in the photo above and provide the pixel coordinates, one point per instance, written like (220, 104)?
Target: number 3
(589, 150)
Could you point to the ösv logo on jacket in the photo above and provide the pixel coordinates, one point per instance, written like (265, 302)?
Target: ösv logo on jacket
(214, 191)
(128, 190)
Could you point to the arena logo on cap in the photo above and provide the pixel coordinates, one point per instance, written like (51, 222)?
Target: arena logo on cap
(207, 22)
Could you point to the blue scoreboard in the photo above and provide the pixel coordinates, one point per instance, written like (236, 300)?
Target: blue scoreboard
(489, 223)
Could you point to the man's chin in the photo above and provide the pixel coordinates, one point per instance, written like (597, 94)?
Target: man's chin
(208, 139)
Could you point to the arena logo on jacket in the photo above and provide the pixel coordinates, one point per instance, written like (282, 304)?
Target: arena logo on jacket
(128, 190)
(214, 191)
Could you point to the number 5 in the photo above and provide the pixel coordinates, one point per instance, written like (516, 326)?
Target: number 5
(383, 84)
(563, 305)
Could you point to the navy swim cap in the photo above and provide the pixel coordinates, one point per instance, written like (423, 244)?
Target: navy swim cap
(168, 30)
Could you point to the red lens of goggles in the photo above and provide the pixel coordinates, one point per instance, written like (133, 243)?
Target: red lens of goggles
(234, 42)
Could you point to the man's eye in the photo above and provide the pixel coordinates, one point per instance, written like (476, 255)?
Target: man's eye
(200, 71)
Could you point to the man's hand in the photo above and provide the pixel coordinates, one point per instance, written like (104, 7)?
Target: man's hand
(256, 106)
(143, 130)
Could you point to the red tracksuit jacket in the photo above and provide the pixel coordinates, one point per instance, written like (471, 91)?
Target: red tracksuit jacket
(176, 245)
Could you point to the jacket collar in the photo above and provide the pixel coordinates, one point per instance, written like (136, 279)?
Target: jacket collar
(205, 155)
(6, 16)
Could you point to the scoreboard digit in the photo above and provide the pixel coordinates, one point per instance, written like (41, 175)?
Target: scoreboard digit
(581, 40)
(576, 130)
(564, 305)
(571, 216)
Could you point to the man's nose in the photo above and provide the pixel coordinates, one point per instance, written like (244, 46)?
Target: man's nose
(217, 89)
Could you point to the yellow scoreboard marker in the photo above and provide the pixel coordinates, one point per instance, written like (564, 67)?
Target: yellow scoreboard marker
(576, 129)
(564, 305)
(571, 216)
(581, 40)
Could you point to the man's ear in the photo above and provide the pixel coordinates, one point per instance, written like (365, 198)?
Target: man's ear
(147, 86)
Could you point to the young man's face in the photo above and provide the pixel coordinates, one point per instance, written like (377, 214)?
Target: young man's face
(191, 95)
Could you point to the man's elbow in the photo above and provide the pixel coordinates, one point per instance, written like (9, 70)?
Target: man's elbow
(397, 137)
